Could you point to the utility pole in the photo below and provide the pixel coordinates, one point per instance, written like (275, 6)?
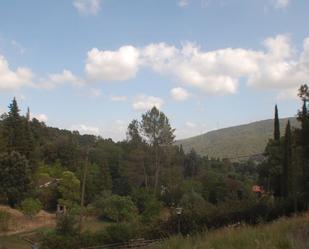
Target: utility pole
(83, 192)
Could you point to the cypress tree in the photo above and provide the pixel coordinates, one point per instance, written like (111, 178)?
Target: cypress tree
(276, 125)
(287, 162)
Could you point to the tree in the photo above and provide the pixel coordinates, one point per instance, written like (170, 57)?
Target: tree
(31, 207)
(158, 133)
(191, 164)
(276, 125)
(13, 128)
(69, 188)
(272, 169)
(303, 117)
(118, 208)
(133, 133)
(287, 162)
(14, 177)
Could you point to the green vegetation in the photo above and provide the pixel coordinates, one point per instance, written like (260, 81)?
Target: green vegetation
(31, 207)
(233, 142)
(291, 233)
(146, 186)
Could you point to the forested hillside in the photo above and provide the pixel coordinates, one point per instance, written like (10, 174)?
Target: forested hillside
(233, 142)
(146, 186)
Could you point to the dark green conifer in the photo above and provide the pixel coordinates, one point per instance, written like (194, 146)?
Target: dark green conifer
(276, 125)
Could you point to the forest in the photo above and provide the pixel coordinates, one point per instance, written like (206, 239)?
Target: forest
(145, 186)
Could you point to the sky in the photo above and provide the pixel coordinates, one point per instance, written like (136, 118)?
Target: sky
(94, 65)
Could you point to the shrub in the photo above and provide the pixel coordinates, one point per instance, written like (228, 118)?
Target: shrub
(118, 208)
(31, 207)
(121, 232)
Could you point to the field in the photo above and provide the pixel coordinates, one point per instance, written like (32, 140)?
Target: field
(285, 233)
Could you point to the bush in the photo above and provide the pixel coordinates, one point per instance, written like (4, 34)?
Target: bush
(148, 205)
(121, 232)
(4, 220)
(31, 207)
(118, 208)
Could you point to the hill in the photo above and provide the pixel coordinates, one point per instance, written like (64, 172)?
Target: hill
(233, 142)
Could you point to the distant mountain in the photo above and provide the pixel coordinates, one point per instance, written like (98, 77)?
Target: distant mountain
(234, 142)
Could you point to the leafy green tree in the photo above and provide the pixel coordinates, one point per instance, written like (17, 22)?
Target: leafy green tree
(191, 164)
(158, 132)
(14, 177)
(31, 207)
(118, 208)
(69, 188)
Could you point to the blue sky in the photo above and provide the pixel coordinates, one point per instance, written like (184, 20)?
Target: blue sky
(94, 65)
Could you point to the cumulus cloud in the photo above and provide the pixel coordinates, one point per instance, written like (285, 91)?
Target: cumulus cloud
(14, 80)
(179, 94)
(66, 76)
(86, 129)
(41, 117)
(190, 129)
(87, 7)
(282, 3)
(190, 124)
(183, 3)
(143, 102)
(112, 65)
(278, 66)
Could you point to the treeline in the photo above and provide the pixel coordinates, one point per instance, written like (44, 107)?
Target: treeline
(140, 184)
(32, 154)
(285, 172)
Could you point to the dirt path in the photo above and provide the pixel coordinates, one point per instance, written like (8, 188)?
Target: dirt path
(19, 223)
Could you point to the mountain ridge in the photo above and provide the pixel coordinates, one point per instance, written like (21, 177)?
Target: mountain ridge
(236, 141)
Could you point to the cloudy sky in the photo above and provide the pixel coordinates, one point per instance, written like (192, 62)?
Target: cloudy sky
(94, 65)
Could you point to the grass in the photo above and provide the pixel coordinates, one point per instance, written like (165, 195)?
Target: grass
(13, 242)
(286, 233)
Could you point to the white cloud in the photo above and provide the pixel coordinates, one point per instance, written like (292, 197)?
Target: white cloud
(282, 3)
(66, 76)
(118, 98)
(112, 65)
(143, 102)
(183, 3)
(41, 117)
(190, 129)
(278, 66)
(190, 124)
(86, 129)
(87, 7)
(14, 80)
(179, 94)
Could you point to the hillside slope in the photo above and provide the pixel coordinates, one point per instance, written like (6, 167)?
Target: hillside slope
(285, 233)
(232, 142)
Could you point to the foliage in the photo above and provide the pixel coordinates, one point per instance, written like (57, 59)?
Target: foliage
(117, 208)
(15, 177)
(31, 207)
(69, 188)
